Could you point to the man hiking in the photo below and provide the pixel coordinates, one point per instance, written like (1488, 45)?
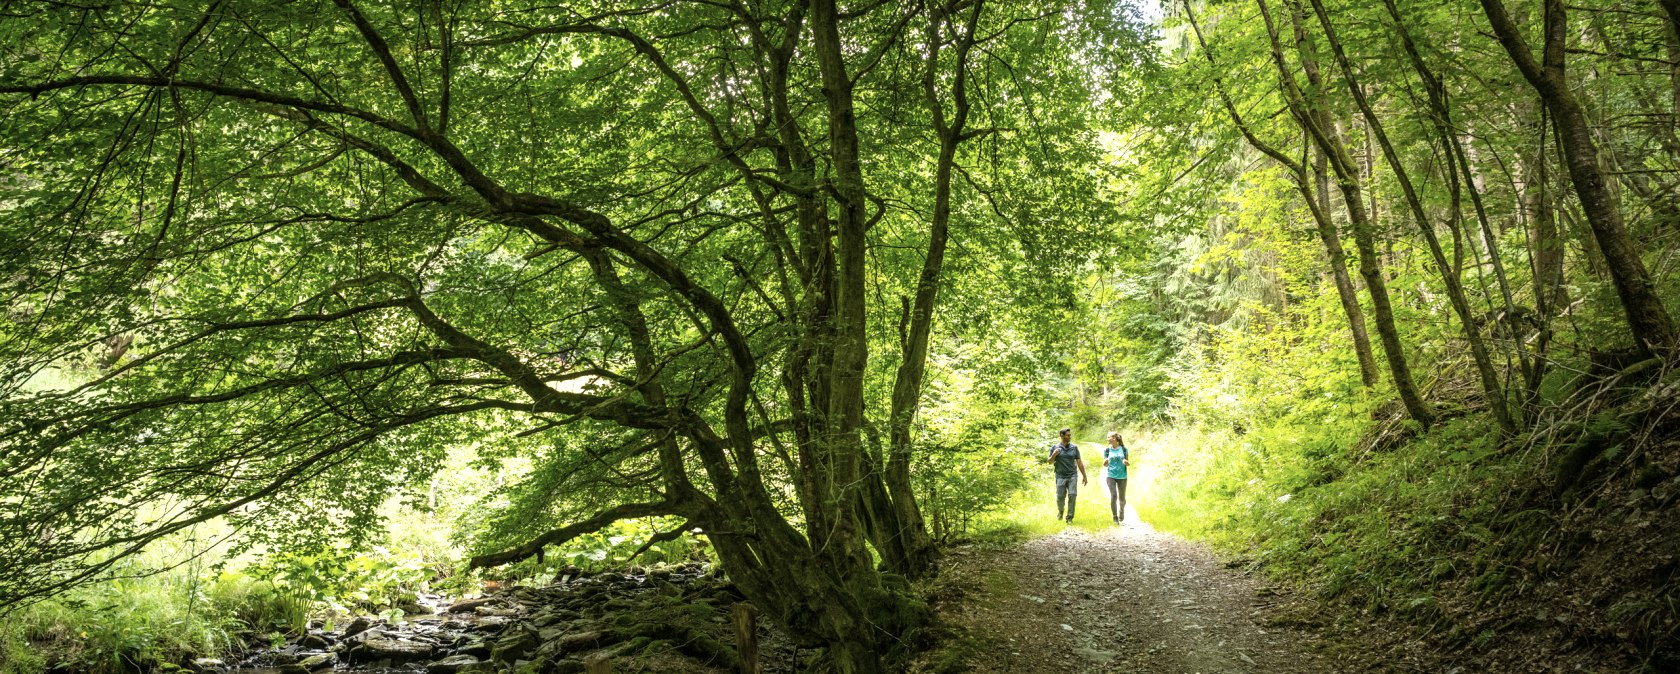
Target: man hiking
(1065, 455)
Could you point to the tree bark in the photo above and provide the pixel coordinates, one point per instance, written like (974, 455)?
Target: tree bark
(1648, 320)
(1491, 388)
(1330, 142)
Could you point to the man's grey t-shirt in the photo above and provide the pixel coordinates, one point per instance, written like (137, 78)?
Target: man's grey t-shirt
(1065, 462)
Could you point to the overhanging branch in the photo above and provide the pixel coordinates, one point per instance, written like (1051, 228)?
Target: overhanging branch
(571, 531)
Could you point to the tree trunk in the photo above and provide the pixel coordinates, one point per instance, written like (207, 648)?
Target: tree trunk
(842, 542)
(907, 387)
(1648, 320)
(1330, 142)
(1319, 206)
(1349, 296)
(1491, 388)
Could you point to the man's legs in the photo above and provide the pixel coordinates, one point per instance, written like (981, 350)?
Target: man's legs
(1072, 497)
(1062, 486)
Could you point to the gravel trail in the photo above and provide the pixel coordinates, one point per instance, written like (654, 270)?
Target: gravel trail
(1121, 599)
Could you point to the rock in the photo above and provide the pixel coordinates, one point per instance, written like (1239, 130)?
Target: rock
(475, 648)
(357, 626)
(491, 623)
(554, 615)
(492, 611)
(211, 664)
(393, 650)
(514, 646)
(469, 604)
(414, 608)
(452, 664)
(568, 666)
(621, 605)
(578, 641)
(318, 661)
(315, 642)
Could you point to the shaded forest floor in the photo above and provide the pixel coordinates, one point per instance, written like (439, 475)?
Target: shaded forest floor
(1124, 598)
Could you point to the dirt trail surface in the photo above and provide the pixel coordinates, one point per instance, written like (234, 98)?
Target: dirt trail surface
(1125, 599)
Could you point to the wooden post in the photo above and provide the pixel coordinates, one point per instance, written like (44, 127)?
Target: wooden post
(746, 637)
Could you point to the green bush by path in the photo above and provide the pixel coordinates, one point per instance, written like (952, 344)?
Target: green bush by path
(134, 624)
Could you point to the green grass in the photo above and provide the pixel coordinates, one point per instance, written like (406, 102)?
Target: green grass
(1380, 530)
(193, 607)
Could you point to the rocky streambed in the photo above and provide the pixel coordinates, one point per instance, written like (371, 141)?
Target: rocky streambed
(660, 618)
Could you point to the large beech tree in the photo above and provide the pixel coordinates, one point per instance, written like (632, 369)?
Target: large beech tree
(277, 256)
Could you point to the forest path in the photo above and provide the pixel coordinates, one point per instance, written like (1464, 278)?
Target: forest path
(1118, 599)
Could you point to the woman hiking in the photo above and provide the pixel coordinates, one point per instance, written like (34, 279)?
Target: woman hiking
(1116, 459)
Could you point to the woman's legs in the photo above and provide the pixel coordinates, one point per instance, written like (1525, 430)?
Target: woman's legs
(1120, 493)
(1116, 497)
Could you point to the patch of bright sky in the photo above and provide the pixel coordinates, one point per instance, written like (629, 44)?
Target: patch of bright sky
(1149, 10)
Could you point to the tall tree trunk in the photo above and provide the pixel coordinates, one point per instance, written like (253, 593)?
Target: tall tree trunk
(907, 387)
(1318, 204)
(1330, 142)
(1345, 292)
(1648, 320)
(842, 478)
(1545, 249)
(1491, 388)
(843, 440)
(1369, 375)
(1453, 143)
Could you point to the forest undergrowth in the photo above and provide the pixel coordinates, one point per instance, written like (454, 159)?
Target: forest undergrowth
(1549, 548)
(198, 595)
